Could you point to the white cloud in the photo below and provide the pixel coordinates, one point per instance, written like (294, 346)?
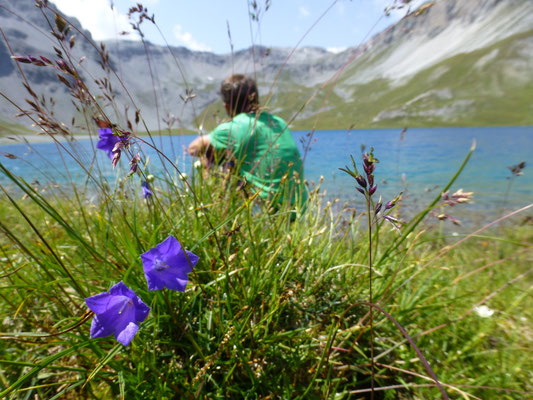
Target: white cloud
(97, 17)
(304, 12)
(336, 50)
(187, 40)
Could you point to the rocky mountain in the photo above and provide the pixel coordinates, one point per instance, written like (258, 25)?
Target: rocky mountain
(458, 63)
(450, 63)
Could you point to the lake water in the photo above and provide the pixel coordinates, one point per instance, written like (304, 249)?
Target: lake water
(420, 162)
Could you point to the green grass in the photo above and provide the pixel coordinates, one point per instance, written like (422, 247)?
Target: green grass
(271, 309)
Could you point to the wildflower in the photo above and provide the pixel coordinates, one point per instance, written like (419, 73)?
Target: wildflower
(107, 141)
(197, 164)
(117, 312)
(166, 265)
(112, 144)
(483, 311)
(147, 192)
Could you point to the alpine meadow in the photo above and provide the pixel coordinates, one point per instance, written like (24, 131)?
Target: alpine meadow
(130, 270)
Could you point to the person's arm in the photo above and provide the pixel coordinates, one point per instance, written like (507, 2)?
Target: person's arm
(200, 146)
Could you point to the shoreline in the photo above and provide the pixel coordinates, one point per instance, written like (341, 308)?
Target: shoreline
(33, 139)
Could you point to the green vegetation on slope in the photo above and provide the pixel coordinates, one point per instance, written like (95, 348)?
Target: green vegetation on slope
(487, 87)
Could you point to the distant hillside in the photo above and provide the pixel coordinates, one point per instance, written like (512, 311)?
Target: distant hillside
(459, 63)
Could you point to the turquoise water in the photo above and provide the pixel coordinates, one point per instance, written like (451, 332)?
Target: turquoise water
(420, 164)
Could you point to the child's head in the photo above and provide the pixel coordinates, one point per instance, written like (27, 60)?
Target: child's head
(239, 93)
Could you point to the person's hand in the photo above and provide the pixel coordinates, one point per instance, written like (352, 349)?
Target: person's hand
(199, 145)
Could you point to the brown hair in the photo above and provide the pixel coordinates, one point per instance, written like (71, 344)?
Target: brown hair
(240, 93)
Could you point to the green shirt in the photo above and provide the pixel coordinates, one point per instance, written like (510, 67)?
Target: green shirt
(265, 155)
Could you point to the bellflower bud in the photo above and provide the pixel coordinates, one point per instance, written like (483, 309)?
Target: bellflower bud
(116, 157)
(361, 181)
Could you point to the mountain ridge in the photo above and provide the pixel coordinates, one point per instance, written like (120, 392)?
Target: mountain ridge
(457, 64)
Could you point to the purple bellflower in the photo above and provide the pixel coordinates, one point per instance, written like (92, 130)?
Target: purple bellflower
(147, 192)
(167, 266)
(117, 312)
(107, 141)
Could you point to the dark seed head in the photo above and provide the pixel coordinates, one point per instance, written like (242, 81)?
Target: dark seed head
(361, 181)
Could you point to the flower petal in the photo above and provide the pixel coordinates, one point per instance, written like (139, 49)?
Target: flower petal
(154, 280)
(99, 303)
(141, 310)
(180, 262)
(148, 259)
(126, 335)
(100, 329)
(176, 284)
(169, 247)
(120, 289)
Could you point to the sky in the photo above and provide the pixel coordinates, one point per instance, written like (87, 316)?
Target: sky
(218, 25)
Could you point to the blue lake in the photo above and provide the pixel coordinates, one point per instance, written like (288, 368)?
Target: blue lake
(420, 163)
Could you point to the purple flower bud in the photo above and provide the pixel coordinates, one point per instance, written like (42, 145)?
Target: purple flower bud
(377, 209)
(64, 66)
(147, 192)
(372, 190)
(118, 146)
(46, 60)
(371, 180)
(369, 169)
(21, 59)
(116, 157)
(134, 163)
(361, 181)
(366, 160)
(36, 61)
(360, 190)
(390, 204)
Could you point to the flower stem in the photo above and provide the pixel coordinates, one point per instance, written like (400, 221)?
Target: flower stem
(369, 214)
